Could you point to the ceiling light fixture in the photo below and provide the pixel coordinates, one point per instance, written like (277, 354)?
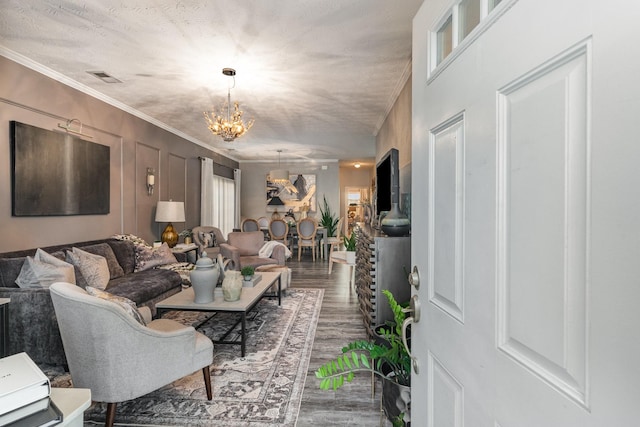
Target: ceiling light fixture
(279, 176)
(231, 126)
(356, 165)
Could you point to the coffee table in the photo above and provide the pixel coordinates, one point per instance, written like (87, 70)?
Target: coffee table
(184, 301)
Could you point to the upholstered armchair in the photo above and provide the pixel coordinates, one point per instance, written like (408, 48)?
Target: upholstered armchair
(208, 240)
(243, 248)
(117, 357)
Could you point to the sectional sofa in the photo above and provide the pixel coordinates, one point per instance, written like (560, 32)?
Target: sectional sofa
(33, 327)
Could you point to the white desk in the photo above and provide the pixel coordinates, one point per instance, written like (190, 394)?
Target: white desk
(72, 402)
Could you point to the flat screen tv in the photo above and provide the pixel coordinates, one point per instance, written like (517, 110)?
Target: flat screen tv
(54, 173)
(387, 181)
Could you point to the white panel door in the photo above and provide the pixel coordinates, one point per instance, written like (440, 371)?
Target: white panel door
(525, 214)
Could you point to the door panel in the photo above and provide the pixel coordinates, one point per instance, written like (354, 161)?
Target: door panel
(527, 206)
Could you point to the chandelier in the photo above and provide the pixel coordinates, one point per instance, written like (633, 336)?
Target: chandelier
(279, 176)
(231, 126)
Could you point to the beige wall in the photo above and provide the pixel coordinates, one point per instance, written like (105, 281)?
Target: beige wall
(32, 98)
(396, 133)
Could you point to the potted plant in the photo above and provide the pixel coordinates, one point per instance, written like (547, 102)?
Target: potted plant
(390, 360)
(327, 219)
(350, 247)
(247, 273)
(186, 234)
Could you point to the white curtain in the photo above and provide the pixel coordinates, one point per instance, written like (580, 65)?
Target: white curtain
(237, 175)
(207, 206)
(219, 199)
(224, 200)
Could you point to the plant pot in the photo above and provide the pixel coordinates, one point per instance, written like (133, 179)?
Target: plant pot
(396, 400)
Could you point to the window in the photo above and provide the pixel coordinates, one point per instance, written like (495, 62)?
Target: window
(459, 26)
(468, 17)
(493, 4)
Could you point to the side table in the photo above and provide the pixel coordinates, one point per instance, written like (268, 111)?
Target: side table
(185, 249)
(4, 326)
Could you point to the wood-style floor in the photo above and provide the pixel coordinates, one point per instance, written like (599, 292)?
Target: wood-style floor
(340, 322)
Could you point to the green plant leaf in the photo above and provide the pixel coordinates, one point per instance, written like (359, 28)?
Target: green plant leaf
(347, 361)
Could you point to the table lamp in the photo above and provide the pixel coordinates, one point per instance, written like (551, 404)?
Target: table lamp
(170, 212)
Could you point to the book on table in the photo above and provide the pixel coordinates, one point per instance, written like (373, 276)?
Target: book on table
(40, 413)
(21, 382)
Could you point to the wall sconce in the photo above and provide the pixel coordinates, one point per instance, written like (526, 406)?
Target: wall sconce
(151, 181)
(356, 165)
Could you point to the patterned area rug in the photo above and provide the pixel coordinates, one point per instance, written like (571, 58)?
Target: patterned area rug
(262, 389)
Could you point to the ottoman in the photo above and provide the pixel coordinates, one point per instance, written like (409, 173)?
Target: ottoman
(285, 276)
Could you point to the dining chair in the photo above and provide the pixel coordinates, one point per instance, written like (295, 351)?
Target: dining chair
(263, 222)
(249, 224)
(333, 242)
(279, 231)
(307, 228)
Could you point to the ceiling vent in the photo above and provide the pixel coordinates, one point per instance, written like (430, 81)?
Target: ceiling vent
(104, 76)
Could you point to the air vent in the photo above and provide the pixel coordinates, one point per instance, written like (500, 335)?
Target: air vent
(104, 76)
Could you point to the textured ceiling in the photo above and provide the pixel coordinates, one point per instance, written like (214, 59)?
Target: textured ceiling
(318, 76)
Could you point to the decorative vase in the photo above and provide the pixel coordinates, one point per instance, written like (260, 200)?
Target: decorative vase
(395, 223)
(232, 286)
(204, 278)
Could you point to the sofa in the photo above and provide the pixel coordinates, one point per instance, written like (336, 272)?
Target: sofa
(33, 327)
(243, 248)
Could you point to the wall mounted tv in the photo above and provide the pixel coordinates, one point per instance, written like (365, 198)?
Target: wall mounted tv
(54, 173)
(387, 181)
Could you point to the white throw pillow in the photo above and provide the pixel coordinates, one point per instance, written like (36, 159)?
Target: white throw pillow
(94, 268)
(43, 269)
(129, 306)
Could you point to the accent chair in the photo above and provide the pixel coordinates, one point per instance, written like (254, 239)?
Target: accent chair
(117, 357)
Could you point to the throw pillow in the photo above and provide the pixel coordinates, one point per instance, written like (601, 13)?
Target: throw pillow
(208, 239)
(129, 306)
(104, 250)
(147, 258)
(138, 241)
(94, 268)
(43, 269)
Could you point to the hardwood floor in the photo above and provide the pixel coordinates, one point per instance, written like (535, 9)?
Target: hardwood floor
(340, 322)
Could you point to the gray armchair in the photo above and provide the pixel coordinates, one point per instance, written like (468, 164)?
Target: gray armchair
(119, 359)
(242, 249)
(212, 248)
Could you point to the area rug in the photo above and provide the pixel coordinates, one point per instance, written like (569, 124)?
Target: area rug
(262, 389)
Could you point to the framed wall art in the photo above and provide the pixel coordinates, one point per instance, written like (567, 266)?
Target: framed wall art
(297, 195)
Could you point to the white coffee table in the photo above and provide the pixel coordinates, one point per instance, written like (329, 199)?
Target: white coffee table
(184, 301)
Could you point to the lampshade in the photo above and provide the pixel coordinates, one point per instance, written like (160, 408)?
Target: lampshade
(279, 176)
(170, 211)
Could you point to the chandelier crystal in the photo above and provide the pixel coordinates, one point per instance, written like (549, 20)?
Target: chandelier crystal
(231, 126)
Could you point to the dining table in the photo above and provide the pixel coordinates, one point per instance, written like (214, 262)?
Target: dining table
(321, 232)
